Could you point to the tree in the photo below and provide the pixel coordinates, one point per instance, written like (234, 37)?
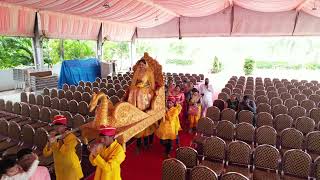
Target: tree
(115, 50)
(15, 51)
(177, 48)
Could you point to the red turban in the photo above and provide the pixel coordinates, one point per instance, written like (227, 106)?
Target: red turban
(107, 131)
(59, 119)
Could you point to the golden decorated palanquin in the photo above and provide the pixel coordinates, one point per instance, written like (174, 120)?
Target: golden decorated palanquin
(128, 119)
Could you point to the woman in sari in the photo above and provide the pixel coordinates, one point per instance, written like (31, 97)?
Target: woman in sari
(140, 95)
(194, 111)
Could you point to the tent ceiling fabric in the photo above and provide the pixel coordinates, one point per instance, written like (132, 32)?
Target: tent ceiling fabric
(160, 18)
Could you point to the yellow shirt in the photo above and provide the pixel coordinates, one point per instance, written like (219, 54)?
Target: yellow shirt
(108, 162)
(66, 162)
(170, 128)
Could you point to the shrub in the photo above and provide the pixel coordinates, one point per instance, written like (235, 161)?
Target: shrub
(248, 66)
(182, 62)
(216, 65)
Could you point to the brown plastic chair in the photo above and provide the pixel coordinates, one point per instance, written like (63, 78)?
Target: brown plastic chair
(266, 135)
(65, 87)
(245, 116)
(111, 92)
(229, 115)
(9, 107)
(173, 169)
(238, 157)
(24, 97)
(83, 108)
(87, 89)
(45, 114)
(77, 96)
(285, 95)
(282, 121)
(114, 99)
(188, 156)
(315, 98)
(73, 88)
(55, 103)
(266, 162)
(294, 91)
(69, 117)
(275, 101)
(300, 98)
(214, 149)
(213, 113)
(315, 115)
(313, 144)
(64, 104)
(73, 107)
(264, 107)
(61, 94)
(290, 103)
(308, 105)
(233, 176)
(95, 90)
(305, 124)
(291, 138)
(69, 95)
(47, 101)
(296, 163)
(245, 132)
(54, 93)
(78, 120)
(80, 89)
(86, 97)
(203, 172)
(225, 130)
(279, 109)
(226, 90)
(17, 108)
(264, 118)
(40, 100)
(262, 99)
(223, 96)
(32, 99)
(260, 93)
(282, 90)
(81, 84)
(314, 88)
(296, 112)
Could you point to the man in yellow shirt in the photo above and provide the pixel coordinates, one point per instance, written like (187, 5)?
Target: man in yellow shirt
(107, 155)
(62, 144)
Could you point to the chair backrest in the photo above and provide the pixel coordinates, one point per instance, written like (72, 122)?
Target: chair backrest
(297, 163)
(69, 95)
(95, 84)
(88, 84)
(9, 106)
(80, 89)
(229, 115)
(260, 88)
(317, 168)
(285, 95)
(305, 124)
(264, 118)
(233, 176)
(223, 96)
(315, 98)
(25, 110)
(173, 169)
(266, 135)
(17, 108)
(88, 89)
(238, 152)
(294, 91)
(302, 87)
(260, 92)
(290, 103)
(245, 132)
(313, 142)
(77, 96)
(111, 92)
(39, 100)
(279, 109)
(23, 97)
(27, 133)
(32, 99)
(203, 172)
(54, 93)
(213, 113)
(60, 94)
(229, 86)
(14, 130)
(69, 116)
(225, 130)
(308, 105)
(35, 113)
(40, 138)
(114, 99)
(47, 101)
(78, 120)
(45, 115)
(120, 93)
(4, 126)
(266, 157)
(264, 107)
(205, 126)
(81, 83)
(54, 112)
(300, 98)
(65, 87)
(315, 115)
(272, 94)
(214, 148)
(245, 116)
(188, 156)
(307, 92)
(282, 121)
(73, 106)
(64, 104)
(95, 90)
(86, 97)
(55, 103)
(291, 138)
(271, 89)
(282, 90)
(83, 108)
(314, 88)
(296, 112)
(262, 99)
(226, 90)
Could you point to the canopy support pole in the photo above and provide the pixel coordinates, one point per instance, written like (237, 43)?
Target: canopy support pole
(99, 53)
(133, 48)
(37, 45)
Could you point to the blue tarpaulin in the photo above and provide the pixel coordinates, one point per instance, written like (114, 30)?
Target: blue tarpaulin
(73, 71)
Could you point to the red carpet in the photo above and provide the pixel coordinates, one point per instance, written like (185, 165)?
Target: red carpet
(147, 165)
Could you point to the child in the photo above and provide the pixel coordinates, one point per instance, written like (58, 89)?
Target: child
(170, 127)
(194, 111)
(11, 170)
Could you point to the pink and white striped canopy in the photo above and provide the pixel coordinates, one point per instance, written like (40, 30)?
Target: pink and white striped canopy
(81, 19)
